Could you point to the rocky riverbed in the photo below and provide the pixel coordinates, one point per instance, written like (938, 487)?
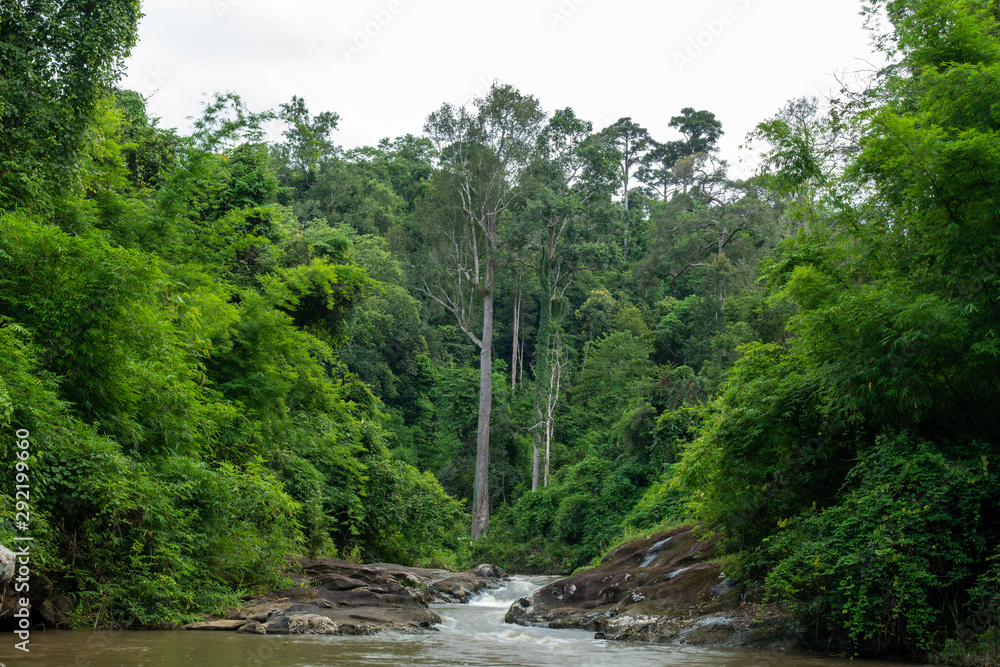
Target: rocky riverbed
(330, 596)
(338, 597)
(666, 588)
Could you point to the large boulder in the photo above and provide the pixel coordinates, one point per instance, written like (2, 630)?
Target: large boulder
(463, 586)
(45, 608)
(487, 571)
(666, 589)
(300, 619)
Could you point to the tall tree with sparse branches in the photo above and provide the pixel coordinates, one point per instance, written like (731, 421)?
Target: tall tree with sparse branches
(483, 155)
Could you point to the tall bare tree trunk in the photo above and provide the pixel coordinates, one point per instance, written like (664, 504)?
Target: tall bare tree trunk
(555, 383)
(626, 221)
(517, 327)
(548, 452)
(535, 461)
(520, 363)
(481, 505)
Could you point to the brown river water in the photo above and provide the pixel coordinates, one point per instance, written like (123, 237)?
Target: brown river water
(472, 634)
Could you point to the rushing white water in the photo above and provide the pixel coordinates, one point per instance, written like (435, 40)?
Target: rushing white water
(516, 588)
(470, 634)
(475, 634)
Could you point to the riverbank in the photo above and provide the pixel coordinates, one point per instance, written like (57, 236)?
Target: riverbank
(471, 633)
(665, 589)
(337, 597)
(668, 588)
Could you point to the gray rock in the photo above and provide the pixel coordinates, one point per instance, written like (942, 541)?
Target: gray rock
(725, 587)
(336, 582)
(311, 624)
(487, 571)
(259, 617)
(250, 628)
(224, 625)
(7, 563)
(278, 625)
(667, 588)
(459, 587)
(40, 589)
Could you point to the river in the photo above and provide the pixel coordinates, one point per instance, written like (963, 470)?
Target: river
(471, 634)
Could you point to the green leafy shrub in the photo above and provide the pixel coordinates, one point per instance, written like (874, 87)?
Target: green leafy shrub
(662, 503)
(410, 518)
(901, 556)
(765, 452)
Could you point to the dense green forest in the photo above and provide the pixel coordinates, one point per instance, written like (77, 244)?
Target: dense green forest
(509, 337)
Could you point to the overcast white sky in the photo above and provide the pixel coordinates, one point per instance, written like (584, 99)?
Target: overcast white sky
(383, 65)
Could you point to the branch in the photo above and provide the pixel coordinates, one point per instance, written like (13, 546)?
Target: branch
(674, 276)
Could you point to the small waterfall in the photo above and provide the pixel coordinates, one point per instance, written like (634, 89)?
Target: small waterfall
(481, 621)
(517, 587)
